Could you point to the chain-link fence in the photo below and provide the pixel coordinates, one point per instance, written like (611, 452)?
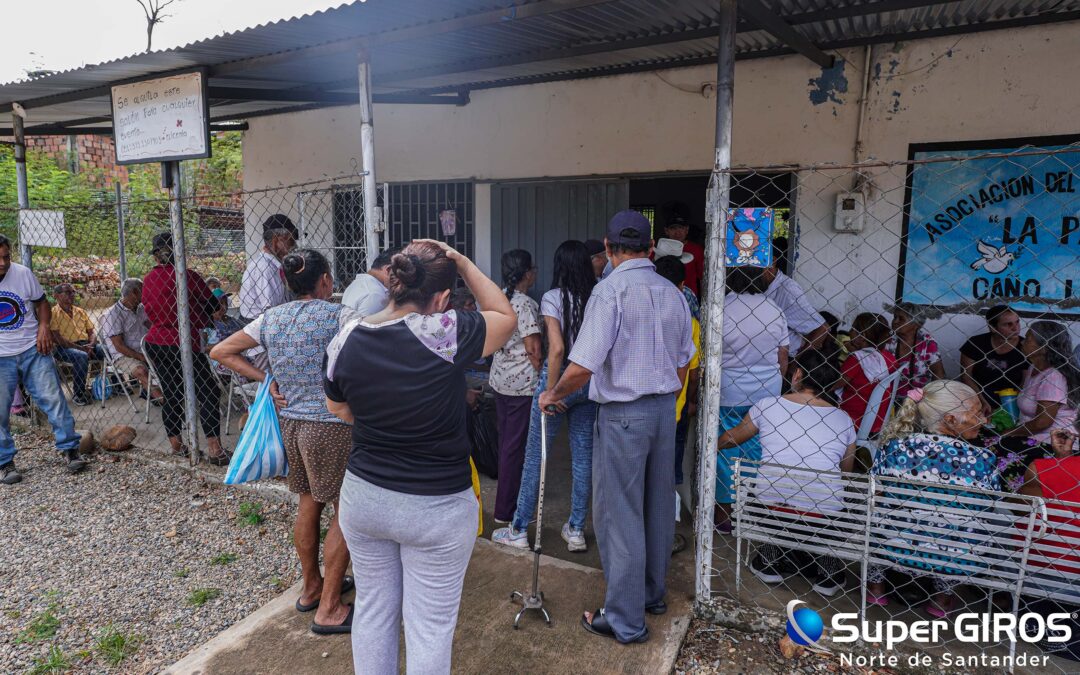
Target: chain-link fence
(898, 399)
(114, 300)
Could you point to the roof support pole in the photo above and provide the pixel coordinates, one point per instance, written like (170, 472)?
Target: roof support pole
(171, 176)
(372, 212)
(23, 189)
(713, 309)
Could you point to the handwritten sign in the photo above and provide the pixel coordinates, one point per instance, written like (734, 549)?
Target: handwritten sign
(993, 228)
(749, 237)
(163, 119)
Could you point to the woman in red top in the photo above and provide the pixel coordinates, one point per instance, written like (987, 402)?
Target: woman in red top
(163, 350)
(869, 363)
(1057, 552)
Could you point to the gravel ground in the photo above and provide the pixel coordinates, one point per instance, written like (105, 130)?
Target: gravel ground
(125, 544)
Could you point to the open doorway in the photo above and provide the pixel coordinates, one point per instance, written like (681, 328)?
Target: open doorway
(750, 190)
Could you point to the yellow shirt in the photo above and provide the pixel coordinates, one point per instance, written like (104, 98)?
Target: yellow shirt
(74, 328)
(695, 362)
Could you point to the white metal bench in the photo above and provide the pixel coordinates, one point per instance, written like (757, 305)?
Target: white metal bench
(1014, 543)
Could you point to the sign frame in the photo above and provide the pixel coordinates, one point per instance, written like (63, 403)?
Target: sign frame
(989, 145)
(204, 87)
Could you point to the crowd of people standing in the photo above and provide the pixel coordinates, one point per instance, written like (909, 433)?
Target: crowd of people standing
(371, 395)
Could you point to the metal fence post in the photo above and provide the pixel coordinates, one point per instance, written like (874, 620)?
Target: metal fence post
(22, 187)
(120, 232)
(713, 314)
(367, 150)
(183, 310)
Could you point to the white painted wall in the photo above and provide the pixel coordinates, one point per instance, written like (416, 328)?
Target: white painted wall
(990, 85)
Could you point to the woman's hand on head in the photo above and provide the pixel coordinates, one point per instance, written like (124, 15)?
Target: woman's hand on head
(451, 252)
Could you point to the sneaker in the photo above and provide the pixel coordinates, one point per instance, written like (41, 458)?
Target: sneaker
(8, 474)
(508, 536)
(75, 462)
(80, 400)
(770, 574)
(575, 539)
(829, 584)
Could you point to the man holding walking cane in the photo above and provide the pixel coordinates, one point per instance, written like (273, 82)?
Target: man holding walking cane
(635, 343)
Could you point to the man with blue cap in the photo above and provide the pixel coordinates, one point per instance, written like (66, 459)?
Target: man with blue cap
(635, 344)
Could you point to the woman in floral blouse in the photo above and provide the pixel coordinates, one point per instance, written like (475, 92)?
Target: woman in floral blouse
(931, 440)
(915, 350)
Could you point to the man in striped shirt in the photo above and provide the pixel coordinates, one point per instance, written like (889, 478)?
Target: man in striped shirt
(635, 343)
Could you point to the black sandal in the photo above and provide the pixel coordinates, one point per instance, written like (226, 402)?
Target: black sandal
(343, 627)
(601, 627)
(347, 584)
(219, 460)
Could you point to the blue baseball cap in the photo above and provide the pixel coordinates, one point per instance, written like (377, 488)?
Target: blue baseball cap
(629, 228)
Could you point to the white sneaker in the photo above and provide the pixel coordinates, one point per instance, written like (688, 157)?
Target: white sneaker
(575, 539)
(508, 536)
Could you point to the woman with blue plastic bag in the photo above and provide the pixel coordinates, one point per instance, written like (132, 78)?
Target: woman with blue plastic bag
(295, 336)
(407, 505)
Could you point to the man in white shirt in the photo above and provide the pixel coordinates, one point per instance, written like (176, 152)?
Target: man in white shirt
(263, 285)
(123, 327)
(806, 328)
(26, 346)
(367, 293)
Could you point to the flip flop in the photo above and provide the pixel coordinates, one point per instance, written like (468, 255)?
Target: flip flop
(343, 627)
(601, 627)
(347, 584)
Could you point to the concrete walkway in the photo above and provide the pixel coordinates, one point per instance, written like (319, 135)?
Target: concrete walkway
(276, 639)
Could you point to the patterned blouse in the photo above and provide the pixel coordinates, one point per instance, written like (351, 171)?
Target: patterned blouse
(948, 461)
(512, 374)
(915, 367)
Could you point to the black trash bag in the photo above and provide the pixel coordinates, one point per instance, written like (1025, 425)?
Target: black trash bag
(484, 437)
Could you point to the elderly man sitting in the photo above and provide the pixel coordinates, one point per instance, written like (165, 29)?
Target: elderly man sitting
(73, 332)
(123, 328)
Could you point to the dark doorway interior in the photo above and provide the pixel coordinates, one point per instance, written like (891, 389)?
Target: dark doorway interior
(748, 190)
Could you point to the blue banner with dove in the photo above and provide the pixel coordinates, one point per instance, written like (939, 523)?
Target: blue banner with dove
(987, 229)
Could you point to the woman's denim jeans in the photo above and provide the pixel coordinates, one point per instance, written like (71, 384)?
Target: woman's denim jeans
(581, 416)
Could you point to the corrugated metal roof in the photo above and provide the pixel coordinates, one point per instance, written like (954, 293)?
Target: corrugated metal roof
(456, 45)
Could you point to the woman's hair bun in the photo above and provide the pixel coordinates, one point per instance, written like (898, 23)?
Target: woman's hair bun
(408, 269)
(294, 263)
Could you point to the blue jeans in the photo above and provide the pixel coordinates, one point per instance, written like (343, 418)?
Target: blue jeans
(38, 374)
(80, 363)
(581, 416)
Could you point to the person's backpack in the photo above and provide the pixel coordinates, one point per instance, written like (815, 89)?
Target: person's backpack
(484, 438)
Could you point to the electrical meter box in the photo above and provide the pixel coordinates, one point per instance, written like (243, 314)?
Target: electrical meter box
(850, 212)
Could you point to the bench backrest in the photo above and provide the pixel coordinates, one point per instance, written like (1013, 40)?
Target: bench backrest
(990, 539)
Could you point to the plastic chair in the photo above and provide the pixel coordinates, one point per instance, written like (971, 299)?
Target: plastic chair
(123, 380)
(151, 378)
(887, 385)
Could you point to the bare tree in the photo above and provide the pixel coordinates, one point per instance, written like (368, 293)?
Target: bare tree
(154, 11)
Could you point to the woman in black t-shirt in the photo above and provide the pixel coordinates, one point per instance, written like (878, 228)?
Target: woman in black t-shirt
(407, 508)
(993, 361)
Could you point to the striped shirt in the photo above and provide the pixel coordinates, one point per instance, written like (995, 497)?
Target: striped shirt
(635, 336)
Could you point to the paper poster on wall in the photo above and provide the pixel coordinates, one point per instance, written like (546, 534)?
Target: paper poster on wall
(42, 228)
(162, 119)
(983, 230)
(749, 237)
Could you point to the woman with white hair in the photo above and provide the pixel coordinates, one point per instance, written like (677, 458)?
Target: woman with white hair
(915, 349)
(930, 440)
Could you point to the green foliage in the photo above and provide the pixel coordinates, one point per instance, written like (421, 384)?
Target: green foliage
(114, 646)
(42, 627)
(251, 514)
(182, 573)
(201, 596)
(88, 201)
(224, 559)
(54, 662)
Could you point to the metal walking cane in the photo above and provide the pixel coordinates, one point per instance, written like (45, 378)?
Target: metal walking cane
(535, 599)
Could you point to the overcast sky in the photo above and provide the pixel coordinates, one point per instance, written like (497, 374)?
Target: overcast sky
(74, 33)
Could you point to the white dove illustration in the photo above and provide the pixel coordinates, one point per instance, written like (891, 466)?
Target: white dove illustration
(994, 260)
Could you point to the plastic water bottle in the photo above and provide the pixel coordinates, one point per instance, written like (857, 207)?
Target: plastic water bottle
(1009, 404)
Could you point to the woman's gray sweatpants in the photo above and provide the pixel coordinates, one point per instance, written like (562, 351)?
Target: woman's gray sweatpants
(409, 555)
